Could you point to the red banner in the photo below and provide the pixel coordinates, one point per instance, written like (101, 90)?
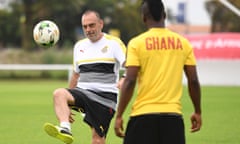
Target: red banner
(216, 45)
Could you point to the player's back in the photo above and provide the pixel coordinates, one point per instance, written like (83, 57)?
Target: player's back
(161, 55)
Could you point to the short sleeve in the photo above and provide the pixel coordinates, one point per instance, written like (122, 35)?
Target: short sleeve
(132, 54)
(190, 57)
(75, 53)
(120, 52)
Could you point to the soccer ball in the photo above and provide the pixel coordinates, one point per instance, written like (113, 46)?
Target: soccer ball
(46, 33)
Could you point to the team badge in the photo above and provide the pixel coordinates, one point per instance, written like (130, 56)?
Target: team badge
(104, 49)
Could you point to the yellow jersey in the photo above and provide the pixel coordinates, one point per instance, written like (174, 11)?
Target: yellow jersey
(161, 55)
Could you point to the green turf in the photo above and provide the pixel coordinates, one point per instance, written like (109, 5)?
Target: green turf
(25, 105)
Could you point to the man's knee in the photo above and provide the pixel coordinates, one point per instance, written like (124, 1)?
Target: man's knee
(59, 92)
(96, 139)
(62, 94)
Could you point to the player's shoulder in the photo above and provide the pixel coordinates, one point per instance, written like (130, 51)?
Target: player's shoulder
(81, 42)
(112, 38)
(115, 41)
(178, 35)
(140, 38)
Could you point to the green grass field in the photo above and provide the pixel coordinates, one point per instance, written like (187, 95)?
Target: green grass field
(26, 105)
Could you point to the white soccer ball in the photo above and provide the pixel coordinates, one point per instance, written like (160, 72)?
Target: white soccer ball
(46, 33)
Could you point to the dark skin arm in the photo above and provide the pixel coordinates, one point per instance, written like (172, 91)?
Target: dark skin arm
(127, 90)
(127, 93)
(195, 95)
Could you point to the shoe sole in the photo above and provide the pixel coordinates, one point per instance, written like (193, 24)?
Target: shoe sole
(51, 130)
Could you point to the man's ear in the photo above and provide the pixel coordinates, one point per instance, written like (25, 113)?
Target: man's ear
(164, 15)
(102, 24)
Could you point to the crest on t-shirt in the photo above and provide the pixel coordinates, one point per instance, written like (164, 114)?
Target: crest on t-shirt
(104, 49)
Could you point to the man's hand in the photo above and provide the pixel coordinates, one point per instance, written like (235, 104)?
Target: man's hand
(119, 127)
(196, 122)
(120, 82)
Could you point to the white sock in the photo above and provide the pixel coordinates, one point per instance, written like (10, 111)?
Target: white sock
(66, 125)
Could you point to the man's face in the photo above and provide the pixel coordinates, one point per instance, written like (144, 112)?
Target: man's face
(92, 26)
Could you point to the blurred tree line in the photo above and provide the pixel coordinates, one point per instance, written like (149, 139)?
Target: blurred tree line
(17, 22)
(223, 19)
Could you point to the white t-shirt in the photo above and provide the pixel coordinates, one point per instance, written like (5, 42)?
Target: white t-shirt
(98, 63)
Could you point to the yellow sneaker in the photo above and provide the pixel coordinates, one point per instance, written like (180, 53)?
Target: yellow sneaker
(60, 133)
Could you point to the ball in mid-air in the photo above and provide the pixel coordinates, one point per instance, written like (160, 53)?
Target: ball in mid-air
(46, 33)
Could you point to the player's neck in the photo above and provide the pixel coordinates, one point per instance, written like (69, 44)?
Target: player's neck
(154, 24)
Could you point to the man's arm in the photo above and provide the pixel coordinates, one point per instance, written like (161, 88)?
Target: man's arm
(195, 94)
(74, 80)
(127, 90)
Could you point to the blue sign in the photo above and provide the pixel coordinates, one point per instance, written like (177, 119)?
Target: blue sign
(181, 12)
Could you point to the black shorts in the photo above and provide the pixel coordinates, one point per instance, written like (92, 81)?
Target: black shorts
(97, 115)
(155, 129)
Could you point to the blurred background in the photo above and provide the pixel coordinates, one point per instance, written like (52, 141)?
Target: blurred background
(212, 26)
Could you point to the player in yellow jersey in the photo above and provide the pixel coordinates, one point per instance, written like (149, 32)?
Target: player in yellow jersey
(156, 60)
